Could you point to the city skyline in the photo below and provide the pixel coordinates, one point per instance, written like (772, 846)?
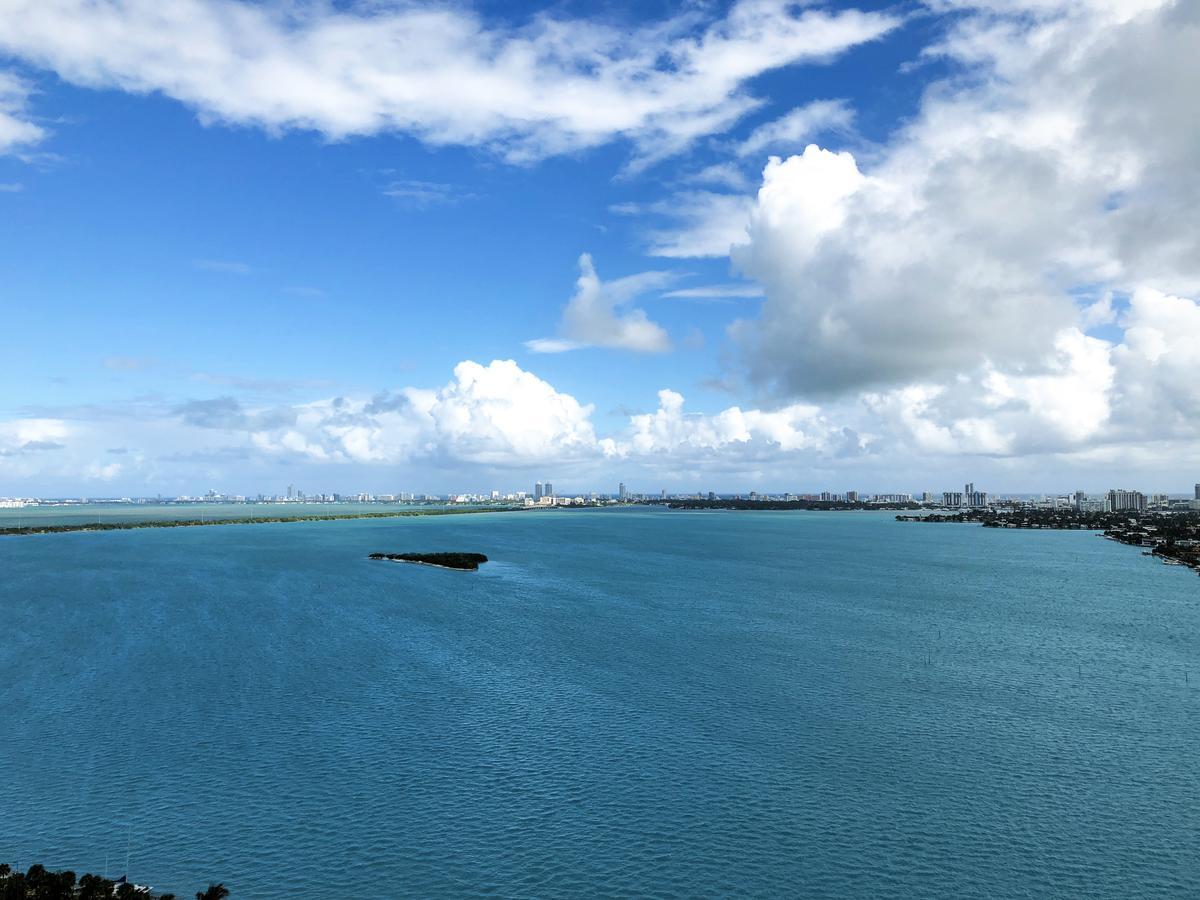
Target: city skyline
(1116, 498)
(751, 243)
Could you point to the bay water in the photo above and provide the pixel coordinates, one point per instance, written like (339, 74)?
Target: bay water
(622, 702)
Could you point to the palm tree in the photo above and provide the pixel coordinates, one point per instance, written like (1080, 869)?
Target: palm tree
(214, 892)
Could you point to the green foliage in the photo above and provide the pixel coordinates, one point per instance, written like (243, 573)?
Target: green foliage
(40, 884)
(467, 561)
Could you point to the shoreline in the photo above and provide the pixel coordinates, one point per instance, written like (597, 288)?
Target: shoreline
(19, 531)
(420, 562)
(1173, 539)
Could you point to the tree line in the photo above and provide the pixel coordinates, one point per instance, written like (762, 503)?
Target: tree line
(39, 883)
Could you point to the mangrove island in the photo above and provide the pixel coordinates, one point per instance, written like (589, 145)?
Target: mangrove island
(464, 561)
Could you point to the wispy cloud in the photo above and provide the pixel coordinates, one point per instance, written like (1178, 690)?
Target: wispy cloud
(11, 188)
(707, 224)
(553, 345)
(424, 194)
(717, 292)
(800, 126)
(439, 72)
(229, 267)
(16, 130)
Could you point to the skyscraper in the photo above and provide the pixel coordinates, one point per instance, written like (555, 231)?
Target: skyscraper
(1198, 492)
(548, 490)
(1121, 500)
(537, 491)
(621, 491)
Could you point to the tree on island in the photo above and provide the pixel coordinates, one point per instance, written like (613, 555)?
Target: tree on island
(40, 884)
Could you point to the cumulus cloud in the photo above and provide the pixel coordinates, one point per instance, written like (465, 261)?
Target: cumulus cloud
(441, 73)
(1062, 156)
(671, 431)
(599, 314)
(497, 415)
(798, 127)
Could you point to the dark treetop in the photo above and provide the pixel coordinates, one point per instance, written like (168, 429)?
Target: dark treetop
(468, 561)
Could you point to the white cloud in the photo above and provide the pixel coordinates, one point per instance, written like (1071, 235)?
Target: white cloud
(1158, 368)
(1063, 156)
(598, 315)
(424, 194)
(681, 436)
(726, 175)
(440, 73)
(798, 127)
(706, 223)
(1090, 406)
(16, 130)
(716, 292)
(552, 345)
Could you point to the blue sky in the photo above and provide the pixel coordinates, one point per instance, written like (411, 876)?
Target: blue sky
(287, 216)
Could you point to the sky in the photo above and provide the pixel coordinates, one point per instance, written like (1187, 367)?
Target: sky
(399, 245)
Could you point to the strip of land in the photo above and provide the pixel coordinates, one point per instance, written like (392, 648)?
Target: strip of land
(240, 520)
(1173, 537)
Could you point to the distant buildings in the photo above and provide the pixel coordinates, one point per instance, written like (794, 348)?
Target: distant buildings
(1120, 500)
(851, 496)
(1198, 492)
(622, 494)
(972, 498)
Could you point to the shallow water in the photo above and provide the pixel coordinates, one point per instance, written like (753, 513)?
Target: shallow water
(621, 702)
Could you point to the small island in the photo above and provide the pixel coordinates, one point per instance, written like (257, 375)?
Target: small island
(464, 561)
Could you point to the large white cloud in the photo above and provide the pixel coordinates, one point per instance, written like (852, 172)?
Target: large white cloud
(437, 71)
(1091, 407)
(1064, 156)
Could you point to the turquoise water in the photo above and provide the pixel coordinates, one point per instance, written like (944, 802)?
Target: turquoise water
(676, 704)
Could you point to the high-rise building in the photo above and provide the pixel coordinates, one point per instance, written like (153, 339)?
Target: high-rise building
(662, 495)
(548, 490)
(972, 498)
(621, 492)
(1121, 500)
(952, 498)
(851, 496)
(537, 491)
(291, 494)
(1080, 499)
(1198, 492)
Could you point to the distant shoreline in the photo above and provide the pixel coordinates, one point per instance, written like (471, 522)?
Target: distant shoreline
(10, 531)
